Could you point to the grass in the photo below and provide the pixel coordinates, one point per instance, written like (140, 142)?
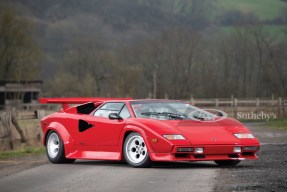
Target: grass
(251, 120)
(276, 123)
(279, 124)
(23, 152)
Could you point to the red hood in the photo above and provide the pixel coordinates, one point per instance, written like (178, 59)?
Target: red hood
(200, 132)
(216, 132)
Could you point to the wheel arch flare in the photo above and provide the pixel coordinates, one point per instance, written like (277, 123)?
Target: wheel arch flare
(64, 135)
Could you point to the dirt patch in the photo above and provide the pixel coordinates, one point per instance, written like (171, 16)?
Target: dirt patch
(17, 164)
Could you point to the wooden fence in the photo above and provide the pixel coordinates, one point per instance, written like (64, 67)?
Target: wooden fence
(20, 128)
(233, 106)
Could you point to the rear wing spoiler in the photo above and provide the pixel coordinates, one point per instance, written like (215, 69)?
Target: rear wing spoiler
(66, 101)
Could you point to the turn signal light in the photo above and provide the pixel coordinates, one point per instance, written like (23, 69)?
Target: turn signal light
(199, 150)
(237, 149)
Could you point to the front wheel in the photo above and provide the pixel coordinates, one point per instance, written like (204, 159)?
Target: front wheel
(227, 163)
(55, 149)
(135, 151)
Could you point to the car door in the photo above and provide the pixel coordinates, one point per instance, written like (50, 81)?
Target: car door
(99, 130)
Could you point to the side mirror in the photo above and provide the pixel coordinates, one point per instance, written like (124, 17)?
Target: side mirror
(114, 116)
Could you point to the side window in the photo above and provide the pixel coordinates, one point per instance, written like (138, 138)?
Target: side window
(108, 108)
(125, 113)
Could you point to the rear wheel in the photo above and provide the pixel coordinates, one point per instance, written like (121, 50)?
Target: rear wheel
(227, 163)
(55, 149)
(135, 151)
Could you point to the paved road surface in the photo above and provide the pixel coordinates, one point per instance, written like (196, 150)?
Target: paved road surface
(107, 176)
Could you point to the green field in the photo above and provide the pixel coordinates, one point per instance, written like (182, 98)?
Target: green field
(264, 9)
(278, 32)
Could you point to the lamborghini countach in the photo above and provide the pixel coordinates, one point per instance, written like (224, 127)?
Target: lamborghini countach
(143, 131)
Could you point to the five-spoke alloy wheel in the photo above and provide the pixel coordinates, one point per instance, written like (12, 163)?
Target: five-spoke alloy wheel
(135, 151)
(53, 145)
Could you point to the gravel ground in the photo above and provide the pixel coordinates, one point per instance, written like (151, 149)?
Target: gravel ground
(269, 173)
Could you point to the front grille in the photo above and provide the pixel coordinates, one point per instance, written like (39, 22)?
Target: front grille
(185, 149)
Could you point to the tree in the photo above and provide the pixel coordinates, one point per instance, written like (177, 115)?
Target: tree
(237, 18)
(251, 63)
(19, 53)
(83, 70)
(126, 74)
(170, 62)
(199, 13)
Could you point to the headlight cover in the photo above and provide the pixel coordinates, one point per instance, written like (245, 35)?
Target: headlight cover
(174, 137)
(244, 135)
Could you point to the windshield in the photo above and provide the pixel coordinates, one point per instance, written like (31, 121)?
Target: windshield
(166, 110)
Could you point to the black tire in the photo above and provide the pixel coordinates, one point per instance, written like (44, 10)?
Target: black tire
(55, 149)
(227, 163)
(135, 151)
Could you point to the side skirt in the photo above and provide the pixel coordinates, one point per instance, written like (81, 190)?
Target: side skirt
(97, 153)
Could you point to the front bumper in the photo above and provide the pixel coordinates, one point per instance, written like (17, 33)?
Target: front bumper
(210, 153)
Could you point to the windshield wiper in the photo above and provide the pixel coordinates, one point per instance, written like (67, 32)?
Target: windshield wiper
(171, 115)
(197, 117)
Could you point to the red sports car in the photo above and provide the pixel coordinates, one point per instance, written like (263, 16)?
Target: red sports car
(143, 131)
